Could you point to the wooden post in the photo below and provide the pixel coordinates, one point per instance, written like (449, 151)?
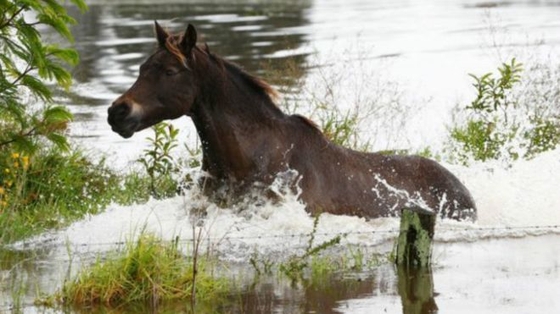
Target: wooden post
(414, 244)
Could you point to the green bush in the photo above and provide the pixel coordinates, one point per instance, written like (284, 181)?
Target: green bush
(44, 183)
(158, 162)
(502, 123)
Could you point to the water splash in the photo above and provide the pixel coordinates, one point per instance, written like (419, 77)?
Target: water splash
(516, 202)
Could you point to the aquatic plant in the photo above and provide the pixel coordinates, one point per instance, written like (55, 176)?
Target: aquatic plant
(147, 270)
(315, 266)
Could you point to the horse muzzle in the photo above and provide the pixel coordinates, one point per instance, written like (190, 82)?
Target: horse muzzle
(121, 119)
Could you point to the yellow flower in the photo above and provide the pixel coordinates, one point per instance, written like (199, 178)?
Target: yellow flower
(15, 155)
(7, 170)
(25, 161)
(2, 191)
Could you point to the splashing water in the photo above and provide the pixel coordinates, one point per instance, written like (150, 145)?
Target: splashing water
(515, 202)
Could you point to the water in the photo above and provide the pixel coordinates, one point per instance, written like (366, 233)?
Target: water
(415, 52)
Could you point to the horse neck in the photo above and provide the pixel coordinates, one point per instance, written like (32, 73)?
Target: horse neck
(228, 114)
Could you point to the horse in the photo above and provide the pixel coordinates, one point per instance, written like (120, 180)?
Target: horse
(247, 140)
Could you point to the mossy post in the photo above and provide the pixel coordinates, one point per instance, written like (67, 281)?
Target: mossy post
(414, 244)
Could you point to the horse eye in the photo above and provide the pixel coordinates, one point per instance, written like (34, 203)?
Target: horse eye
(170, 72)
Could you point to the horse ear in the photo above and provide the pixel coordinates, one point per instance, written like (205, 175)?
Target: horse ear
(189, 41)
(161, 34)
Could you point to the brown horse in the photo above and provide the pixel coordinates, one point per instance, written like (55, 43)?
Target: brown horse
(247, 140)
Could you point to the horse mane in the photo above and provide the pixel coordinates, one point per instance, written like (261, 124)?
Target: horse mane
(172, 45)
(258, 84)
(309, 123)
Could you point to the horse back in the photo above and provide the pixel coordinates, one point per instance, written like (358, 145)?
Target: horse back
(338, 180)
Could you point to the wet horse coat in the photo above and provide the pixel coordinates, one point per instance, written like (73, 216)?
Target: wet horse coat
(247, 140)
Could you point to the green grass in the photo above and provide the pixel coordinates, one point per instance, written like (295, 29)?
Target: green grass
(52, 188)
(318, 263)
(147, 271)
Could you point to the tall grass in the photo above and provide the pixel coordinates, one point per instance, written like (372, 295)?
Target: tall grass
(51, 188)
(148, 271)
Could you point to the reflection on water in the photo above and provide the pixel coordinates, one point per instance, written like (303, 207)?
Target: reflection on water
(416, 288)
(26, 272)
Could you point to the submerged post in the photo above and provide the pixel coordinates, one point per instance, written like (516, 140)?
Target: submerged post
(414, 244)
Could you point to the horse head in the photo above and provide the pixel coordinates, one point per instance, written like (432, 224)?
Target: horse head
(166, 87)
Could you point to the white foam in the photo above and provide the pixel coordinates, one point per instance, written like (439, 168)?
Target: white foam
(515, 202)
(524, 195)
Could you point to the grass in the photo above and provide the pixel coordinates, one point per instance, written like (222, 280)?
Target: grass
(327, 261)
(318, 263)
(51, 188)
(147, 271)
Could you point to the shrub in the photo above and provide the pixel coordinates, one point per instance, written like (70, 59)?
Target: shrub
(158, 162)
(41, 178)
(51, 188)
(502, 122)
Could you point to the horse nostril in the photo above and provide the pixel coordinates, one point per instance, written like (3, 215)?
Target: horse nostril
(119, 109)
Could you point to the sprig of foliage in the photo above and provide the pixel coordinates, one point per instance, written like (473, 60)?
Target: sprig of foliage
(492, 93)
(295, 267)
(502, 124)
(158, 161)
(27, 65)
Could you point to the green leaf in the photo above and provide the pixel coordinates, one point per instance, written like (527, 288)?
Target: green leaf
(82, 6)
(69, 56)
(57, 114)
(58, 24)
(58, 73)
(59, 140)
(37, 87)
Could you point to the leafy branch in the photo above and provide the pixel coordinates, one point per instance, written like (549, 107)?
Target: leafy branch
(27, 65)
(502, 124)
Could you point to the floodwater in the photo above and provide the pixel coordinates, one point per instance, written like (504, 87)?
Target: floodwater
(413, 53)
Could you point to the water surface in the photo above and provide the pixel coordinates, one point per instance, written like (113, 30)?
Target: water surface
(418, 53)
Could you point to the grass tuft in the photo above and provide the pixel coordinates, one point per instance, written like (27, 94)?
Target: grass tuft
(147, 271)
